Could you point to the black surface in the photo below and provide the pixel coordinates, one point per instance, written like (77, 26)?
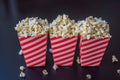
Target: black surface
(11, 11)
(106, 71)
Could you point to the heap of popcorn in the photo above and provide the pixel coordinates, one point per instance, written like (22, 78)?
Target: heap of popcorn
(63, 26)
(32, 27)
(93, 27)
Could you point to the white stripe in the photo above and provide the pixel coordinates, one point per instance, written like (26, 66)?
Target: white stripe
(35, 57)
(64, 52)
(90, 62)
(64, 47)
(93, 44)
(88, 50)
(33, 53)
(56, 40)
(60, 62)
(26, 40)
(88, 41)
(87, 59)
(34, 47)
(65, 56)
(34, 42)
(65, 42)
(34, 62)
(101, 50)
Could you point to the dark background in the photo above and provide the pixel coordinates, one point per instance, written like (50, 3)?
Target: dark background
(11, 11)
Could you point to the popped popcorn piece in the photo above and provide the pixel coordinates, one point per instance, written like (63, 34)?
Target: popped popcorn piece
(88, 76)
(22, 74)
(63, 26)
(32, 27)
(93, 27)
(78, 60)
(50, 50)
(22, 68)
(55, 67)
(20, 52)
(114, 59)
(118, 71)
(45, 72)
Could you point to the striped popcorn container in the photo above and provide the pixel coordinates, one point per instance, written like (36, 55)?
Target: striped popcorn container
(34, 50)
(63, 50)
(92, 51)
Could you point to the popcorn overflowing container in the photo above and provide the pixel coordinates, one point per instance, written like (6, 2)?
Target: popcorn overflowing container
(34, 50)
(92, 50)
(63, 50)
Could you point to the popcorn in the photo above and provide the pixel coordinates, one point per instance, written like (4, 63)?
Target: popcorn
(32, 27)
(114, 59)
(63, 26)
(55, 67)
(22, 74)
(50, 50)
(118, 71)
(93, 27)
(22, 68)
(45, 72)
(78, 60)
(88, 76)
(20, 52)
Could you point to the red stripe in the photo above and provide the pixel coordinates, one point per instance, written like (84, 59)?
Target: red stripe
(38, 63)
(94, 63)
(82, 55)
(60, 46)
(65, 63)
(35, 49)
(90, 59)
(32, 40)
(61, 41)
(64, 54)
(94, 50)
(94, 46)
(85, 39)
(23, 38)
(38, 43)
(90, 42)
(41, 52)
(35, 59)
(63, 49)
(68, 57)
(53, 38)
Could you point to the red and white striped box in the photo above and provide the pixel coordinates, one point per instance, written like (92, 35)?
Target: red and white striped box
(34, 50)
(63, 50)
(92, 51)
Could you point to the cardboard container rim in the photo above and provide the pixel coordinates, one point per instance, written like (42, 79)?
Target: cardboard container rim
(96, 38)
(62, 37)
(32, 36)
